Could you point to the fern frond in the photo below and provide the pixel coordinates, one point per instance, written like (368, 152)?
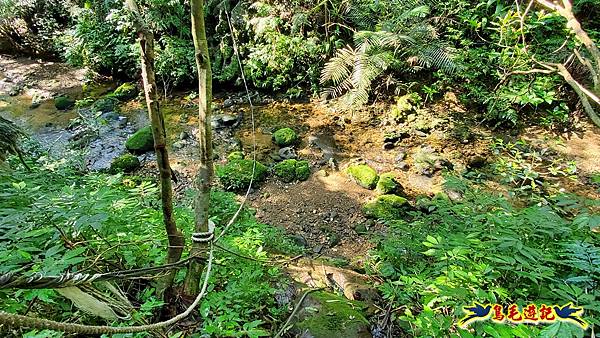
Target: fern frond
(338, 66)
(437, 57)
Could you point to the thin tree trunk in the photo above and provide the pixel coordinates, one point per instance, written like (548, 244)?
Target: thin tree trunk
(566, 11)
(175, 237)
(203, 180)
(584, 95)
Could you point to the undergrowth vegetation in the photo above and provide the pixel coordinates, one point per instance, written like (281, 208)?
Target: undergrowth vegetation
(483, 248)
(55, 219)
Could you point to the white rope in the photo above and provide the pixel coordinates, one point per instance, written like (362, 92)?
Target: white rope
(204, 237)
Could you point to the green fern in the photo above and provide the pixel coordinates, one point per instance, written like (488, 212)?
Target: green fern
(401, 42)
(585, 257)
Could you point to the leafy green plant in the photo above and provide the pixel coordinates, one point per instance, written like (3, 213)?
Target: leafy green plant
(276, 60)
(527, 168)
(484, 249)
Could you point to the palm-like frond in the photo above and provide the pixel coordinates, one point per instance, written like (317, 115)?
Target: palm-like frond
(398, 39)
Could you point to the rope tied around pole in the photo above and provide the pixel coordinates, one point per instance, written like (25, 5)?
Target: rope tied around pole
(204, 237)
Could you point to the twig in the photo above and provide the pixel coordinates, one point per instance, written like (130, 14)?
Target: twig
(284, 328)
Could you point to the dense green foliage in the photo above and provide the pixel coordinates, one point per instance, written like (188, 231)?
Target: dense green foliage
(10, 135)
(483, 248)
(55, 219)
(370, 49)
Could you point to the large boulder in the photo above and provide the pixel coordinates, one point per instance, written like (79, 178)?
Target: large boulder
(237, 174)
(285, 137)
(364, 175)
(141, 141)
(325, 315)
(292, 170)
(126, 91)
(386, 207)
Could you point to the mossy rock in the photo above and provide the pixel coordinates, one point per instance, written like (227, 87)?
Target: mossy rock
(302, 170)
(292, 170)
(125, 163)
(126, 91)
(325, 315)
(105, 104)
(236, 155)
(63, 102)
(237, 174)
(285, 137)
(386, 207)
(364, 175)
(388, 184)
(141, 141)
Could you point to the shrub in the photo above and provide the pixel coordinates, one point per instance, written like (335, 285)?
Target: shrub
(237, 174)
(96, 42)
(175, 61)
(485, 249)
(34, 27)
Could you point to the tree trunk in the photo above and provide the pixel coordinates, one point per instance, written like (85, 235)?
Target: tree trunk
(583, 93)
(175, 237)
(203, 180)
(566, 11)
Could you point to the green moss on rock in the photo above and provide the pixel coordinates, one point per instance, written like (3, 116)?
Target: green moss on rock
(332, 316)
(141, 141)
(236, 155)
(364, 175)
(388, 184)
(302, 170)
(292, 170)
(386, 207)
(236, 174)
(63, 102)
(285, 137)
(126, 91)
(125, 163)
(105, 105)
